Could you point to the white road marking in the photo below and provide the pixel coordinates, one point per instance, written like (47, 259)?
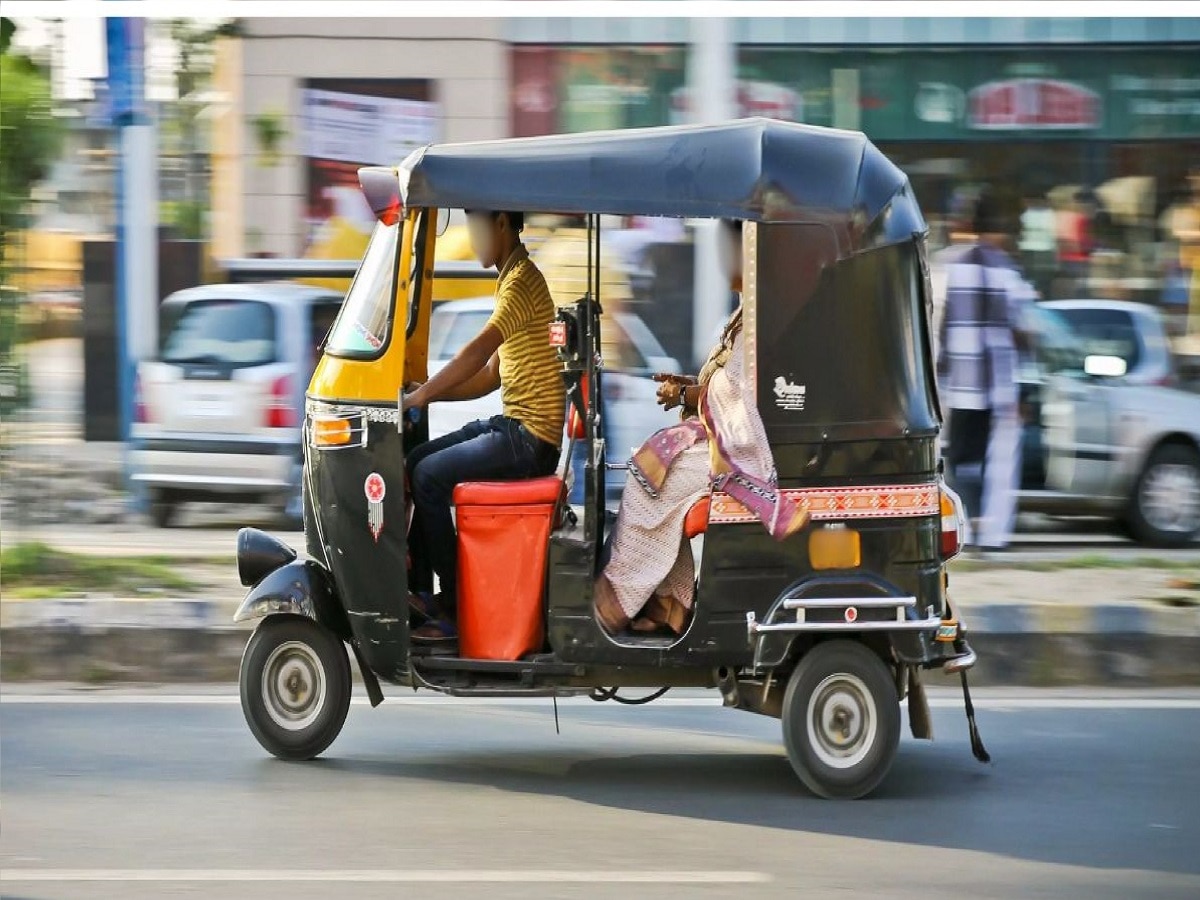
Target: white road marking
(381, 876)
(999, 704)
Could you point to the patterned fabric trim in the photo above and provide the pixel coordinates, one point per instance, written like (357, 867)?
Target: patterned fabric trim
(389, 415)
(822, 504)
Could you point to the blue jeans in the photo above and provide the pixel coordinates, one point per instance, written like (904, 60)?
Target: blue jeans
(499, 449)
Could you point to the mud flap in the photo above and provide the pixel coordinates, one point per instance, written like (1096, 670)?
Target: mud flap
(919, 719)
(370, 682)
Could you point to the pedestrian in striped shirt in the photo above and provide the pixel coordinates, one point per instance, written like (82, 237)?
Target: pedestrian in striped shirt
(980, 338)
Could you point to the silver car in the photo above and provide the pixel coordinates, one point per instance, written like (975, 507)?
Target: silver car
(1105, 433)
(219, 410)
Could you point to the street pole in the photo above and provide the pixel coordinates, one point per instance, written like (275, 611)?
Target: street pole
(711, 92)
(137, 211)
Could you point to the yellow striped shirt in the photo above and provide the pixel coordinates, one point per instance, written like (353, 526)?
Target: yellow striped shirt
(531, 385)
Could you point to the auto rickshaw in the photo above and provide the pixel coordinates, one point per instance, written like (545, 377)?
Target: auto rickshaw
(828, 630)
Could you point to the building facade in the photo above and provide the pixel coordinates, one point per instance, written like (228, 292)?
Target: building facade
(309, 100)
(1103, 113)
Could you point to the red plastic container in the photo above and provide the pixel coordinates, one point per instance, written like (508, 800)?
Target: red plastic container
(503, 537)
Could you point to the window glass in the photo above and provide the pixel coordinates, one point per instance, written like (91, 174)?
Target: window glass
(226, 332)
(1107, 332)
(362, 327)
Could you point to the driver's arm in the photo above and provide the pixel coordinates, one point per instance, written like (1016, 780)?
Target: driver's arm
(467, 370)
(480, 384)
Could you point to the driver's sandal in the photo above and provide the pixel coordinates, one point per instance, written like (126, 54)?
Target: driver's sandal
(436, 631)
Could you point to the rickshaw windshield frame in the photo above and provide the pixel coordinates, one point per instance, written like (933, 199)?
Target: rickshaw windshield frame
(393, 233)
(416, 276)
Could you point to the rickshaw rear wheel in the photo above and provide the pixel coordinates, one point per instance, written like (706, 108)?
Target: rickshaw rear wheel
(295, 686)
(841, 720)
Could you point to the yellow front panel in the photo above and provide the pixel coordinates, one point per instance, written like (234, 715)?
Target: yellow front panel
(380, 380)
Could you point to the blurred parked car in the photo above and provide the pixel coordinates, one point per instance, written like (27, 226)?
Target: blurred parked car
(1105, 434)
(219, 410)
(1133, 331)
(630, 414)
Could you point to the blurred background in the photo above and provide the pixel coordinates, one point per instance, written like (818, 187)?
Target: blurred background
(191, 153)
(179, 219)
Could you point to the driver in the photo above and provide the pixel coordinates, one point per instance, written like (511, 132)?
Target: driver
(512, 353)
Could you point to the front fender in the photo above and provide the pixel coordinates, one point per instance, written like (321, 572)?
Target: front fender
(302, 588)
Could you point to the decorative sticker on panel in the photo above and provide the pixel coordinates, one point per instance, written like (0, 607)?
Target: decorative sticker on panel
(376, 490)
(788, 395)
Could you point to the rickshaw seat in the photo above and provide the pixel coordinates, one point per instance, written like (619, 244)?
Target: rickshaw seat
(696, 521)
(509, 493)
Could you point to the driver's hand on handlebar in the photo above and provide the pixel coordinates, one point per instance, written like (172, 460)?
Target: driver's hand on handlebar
(411, 396)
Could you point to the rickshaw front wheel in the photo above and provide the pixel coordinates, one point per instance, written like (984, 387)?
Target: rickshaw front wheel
(295, 686)
(841, 720)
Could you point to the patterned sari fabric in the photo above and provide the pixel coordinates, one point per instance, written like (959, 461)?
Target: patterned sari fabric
(650, 578)
(740, 456)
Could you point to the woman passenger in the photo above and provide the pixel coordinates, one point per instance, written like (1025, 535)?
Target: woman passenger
(648, 583)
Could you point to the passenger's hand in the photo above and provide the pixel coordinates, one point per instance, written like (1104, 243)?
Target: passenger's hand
(672, 378)
(670, 395)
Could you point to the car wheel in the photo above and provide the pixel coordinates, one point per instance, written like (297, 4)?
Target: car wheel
(295, 686)
(164, 511)
(1165, 509)
(841, 720)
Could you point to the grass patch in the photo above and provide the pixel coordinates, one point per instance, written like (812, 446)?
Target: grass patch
(33, 571)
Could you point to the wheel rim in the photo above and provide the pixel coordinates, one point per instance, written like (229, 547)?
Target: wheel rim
(1170, 498)
(842, 721)
(293, 686)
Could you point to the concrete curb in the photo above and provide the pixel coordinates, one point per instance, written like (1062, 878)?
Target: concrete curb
(192, 641)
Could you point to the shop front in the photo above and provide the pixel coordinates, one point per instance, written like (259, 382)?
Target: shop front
(1104, 132)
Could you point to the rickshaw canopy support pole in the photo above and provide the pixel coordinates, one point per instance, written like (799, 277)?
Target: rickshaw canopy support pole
(711, 66)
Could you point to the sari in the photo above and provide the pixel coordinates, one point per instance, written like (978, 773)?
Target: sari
(649, 581)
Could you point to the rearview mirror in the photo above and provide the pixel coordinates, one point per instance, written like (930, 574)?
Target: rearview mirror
(1104, 366)
(443, 221)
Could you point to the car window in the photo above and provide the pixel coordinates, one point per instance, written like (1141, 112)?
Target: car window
(362, 328)
(1107, 332)
(1057, 347)
(451, 329)
(225, 332)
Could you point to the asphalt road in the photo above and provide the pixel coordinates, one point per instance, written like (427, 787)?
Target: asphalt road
(153, 795)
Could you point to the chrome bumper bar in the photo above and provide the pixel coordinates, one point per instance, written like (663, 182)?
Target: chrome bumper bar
(857, 602)
(754, 627)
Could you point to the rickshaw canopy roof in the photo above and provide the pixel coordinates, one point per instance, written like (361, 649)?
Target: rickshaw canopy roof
(754, 169)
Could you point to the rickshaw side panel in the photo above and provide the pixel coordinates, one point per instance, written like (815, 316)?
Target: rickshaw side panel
(744, 570)
(839, 348)
(369, 569)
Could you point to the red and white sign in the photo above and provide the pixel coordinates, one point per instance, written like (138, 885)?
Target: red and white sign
(754, 98)
(1033, 103)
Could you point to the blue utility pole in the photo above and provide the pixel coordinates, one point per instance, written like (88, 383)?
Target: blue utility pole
(137, 209)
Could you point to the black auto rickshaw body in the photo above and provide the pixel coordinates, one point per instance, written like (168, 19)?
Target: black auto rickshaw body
(828, 630)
